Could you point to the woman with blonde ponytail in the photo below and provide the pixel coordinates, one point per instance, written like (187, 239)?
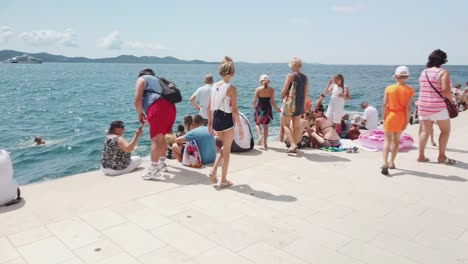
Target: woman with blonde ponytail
(222, 113)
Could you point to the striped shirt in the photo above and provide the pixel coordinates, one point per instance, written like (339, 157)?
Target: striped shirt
(429, 101)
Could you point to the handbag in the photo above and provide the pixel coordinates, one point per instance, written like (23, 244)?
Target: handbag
(289, 103)
(451, 107)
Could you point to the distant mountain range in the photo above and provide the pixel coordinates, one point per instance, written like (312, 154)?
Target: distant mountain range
(46, 57)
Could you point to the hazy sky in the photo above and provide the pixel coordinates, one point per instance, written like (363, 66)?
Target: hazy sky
(327, 31)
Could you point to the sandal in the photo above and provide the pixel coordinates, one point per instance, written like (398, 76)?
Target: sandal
(384, 170)
(225, 184)
(447, 161)
(292, 150)
(213, 177)
(424, 160)
(392, 167)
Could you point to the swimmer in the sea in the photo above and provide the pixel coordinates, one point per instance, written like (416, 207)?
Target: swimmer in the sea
(38, 140)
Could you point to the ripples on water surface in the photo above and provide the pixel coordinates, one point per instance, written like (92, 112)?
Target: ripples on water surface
(71, 105)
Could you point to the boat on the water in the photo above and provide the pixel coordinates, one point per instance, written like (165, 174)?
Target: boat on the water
(23, 59)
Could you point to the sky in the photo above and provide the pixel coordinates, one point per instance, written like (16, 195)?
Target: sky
(329, 31)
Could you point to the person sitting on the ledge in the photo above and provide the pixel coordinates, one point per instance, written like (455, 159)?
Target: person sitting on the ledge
(205, 141)
(38, 140)
(325, 132)
(116, 154)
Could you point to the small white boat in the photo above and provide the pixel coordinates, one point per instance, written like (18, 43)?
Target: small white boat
(23, 59)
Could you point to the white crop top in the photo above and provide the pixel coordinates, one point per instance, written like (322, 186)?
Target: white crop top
(219, 99)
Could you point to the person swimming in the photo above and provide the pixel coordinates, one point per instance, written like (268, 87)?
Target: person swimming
(38, 140)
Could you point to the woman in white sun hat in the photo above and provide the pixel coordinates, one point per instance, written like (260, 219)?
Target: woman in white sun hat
(263, 102)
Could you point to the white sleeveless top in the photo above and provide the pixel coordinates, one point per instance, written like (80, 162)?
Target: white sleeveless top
(219, 99)
(337, 91)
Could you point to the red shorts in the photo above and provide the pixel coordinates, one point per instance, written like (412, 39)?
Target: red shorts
(161, 116)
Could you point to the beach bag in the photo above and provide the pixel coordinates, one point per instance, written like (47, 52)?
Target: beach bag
(9, 192)
(191, 156)
(289, 103)
(170, 91)
(451, 107)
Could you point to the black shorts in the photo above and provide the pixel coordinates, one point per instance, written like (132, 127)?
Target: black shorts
(222, 121)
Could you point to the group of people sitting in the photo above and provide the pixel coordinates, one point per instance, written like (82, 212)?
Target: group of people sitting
(116, 154)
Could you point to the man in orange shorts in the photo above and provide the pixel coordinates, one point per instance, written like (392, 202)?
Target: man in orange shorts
(396, 112)
(160, 114)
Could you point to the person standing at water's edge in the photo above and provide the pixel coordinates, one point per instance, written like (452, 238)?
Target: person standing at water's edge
(431, 106)
(264, 101)
(202, 95)
(294, 93)
(222, 113)
(340, 93)
(396, 111)
(160, 114)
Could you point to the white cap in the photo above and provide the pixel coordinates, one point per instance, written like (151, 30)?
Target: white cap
(402, 71)
(264, 77)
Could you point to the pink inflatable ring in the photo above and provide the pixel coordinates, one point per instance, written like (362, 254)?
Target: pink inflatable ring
(374, 139)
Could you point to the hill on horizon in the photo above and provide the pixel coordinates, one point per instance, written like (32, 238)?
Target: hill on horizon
(47, 57)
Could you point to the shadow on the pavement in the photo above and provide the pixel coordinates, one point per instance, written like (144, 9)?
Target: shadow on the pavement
(456, 150)
(182, 176)
(281, 150)
(252, 152)
(322, 157)
(429, 175)
(6, 209)
(135, 170)
(247, 190)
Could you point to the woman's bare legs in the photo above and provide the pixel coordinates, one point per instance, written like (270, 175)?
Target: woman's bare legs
(214, 172)
(297, 131)
(395, 147)
(226, 137)
(259, 132)
(265, 136)
(444, 126)
(288, 132)
(281, 133)
(424, 132)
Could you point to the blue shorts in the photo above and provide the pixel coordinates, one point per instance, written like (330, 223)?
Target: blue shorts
(222, 121)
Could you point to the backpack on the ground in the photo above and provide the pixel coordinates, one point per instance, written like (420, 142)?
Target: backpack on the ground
(169, 90)
(191, 156)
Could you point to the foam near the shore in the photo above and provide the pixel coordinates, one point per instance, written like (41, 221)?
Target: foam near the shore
(316, 207)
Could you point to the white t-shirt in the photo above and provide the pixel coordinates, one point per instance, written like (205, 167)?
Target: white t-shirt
(372, 117)
(203, 96)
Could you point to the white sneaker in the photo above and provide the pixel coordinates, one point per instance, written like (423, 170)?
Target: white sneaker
(260, 140)
(152, 174)
(163, 167)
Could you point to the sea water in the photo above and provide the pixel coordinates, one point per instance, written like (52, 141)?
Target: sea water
(70, 105)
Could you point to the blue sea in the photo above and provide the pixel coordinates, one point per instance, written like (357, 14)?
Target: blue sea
(70, 105)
